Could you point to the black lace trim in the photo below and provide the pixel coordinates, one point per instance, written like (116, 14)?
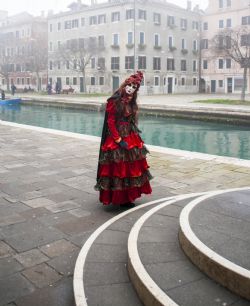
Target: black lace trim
(107, 157)
(116, 183)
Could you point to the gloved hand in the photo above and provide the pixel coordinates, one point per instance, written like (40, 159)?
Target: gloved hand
(123, 144)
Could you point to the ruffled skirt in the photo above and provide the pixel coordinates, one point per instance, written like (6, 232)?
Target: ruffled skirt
(123, 174)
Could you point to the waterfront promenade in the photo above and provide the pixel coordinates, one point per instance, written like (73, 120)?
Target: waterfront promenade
(48, 207)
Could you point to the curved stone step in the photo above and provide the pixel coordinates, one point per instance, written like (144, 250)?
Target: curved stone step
(160, 271)
(215, 236)
(100, 276)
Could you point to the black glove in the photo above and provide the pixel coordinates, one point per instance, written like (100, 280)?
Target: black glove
(123, 144)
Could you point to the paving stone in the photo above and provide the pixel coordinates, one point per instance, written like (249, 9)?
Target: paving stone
(11, 219)
(63, 206)
(57, 218)
(60, 294)
(79, 212)
(13, 287)
(29, 235)
(112, 237)
(100, 295)
(65, 263)
(96, 274)
(202, 294)
(5, 250)
(39, 202)
(34, 213)
(9, 266)
(42, 275)
(156, 234)
(58, 248)
(31, 258)
(107, 253)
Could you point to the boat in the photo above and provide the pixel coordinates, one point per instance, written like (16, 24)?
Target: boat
(10, 101)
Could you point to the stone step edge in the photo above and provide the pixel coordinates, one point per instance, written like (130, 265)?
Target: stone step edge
(78, 284)
(220, 269)
(148, 291)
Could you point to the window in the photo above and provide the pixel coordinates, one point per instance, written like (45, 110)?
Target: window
(92, 80)
(195, 25)
(157, 18)
(183, 43)
(156, 40)
(142, 62)
(92, 62)
(82, 21)
(228, 3)
(229, 23)
(183, 24)
(22, 80)
(170, 21)
(205, 26)
(59, 44)
(115, 16)
(50, 65)
(50, 29)
(130, 14)
(195, 45)
(170, 64)
(75, 23)
(101, 63)
(194, 81)
(67, 80)
(101, 19)
(18, 81)
(129, 62)
(220, 3)
(58, 65)
(130, 38)
(101, 80)
(220, 83)
(170, 42)
(183, 81)
(116, 39)
(221, 24)
(50, 46)
(59, 26)
(142, 14)
(115, 63)
(142, 38)
(245, 40)
(221, 63)
(183, 65)
(228, 63)
(74, 81)
(67, 24)
(101, 41)
(156, 63)
(194, 66)
(92, 20)
(156, 81)
(245, 20)
(204, 44)
(27, 81)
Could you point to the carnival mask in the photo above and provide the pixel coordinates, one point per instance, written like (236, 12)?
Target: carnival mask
(130, 88)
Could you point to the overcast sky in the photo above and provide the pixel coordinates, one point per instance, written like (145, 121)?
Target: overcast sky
(35, 7)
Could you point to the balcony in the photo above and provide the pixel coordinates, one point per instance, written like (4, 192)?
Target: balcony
(141, 46)
(130, 46)
(157, 47)
(184, 51)
(172, 48)
(115, 46)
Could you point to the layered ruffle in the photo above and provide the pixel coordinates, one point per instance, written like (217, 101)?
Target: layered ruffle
(124, 169)
(133, 140)
(118, 197)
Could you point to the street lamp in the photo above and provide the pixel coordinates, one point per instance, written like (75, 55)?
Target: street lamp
(134, 39)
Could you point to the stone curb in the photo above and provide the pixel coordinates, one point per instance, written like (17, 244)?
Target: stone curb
(148, 291)
(222, 270)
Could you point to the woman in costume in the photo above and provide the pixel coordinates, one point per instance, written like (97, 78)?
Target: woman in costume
(122, 174)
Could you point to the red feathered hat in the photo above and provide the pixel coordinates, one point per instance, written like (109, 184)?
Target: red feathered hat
(135, 79)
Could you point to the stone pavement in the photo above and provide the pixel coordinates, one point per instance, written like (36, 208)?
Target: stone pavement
(48, 206)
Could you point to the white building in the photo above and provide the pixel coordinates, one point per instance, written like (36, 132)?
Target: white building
(162, 37)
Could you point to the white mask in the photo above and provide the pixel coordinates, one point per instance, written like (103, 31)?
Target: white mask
(130, 89)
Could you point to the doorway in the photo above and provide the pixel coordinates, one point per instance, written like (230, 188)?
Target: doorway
(81, 85)
(213, 86)
(229, 85)
(115, 84)
(170, 85)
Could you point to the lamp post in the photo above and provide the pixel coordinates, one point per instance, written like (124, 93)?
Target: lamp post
(134, 40)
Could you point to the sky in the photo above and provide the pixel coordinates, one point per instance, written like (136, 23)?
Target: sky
(35, 7)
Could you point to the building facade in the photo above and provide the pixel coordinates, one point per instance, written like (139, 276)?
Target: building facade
(154, 36)
(222, 74)
(23, 51)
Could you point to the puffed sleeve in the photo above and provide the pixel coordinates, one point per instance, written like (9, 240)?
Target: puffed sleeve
(111, 110)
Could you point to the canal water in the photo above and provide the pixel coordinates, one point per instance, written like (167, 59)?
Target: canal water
(192, 135)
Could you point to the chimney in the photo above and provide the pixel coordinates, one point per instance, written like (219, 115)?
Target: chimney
(189, 5)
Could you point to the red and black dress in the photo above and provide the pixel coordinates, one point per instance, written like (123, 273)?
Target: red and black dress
(122, 174)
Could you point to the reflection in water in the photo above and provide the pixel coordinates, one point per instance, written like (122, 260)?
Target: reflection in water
(191, 135)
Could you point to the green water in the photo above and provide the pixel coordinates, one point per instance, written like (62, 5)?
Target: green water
(191, 135)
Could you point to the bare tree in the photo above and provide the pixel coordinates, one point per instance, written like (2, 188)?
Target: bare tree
(235, 44)
(77, 53)
(6, 60)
